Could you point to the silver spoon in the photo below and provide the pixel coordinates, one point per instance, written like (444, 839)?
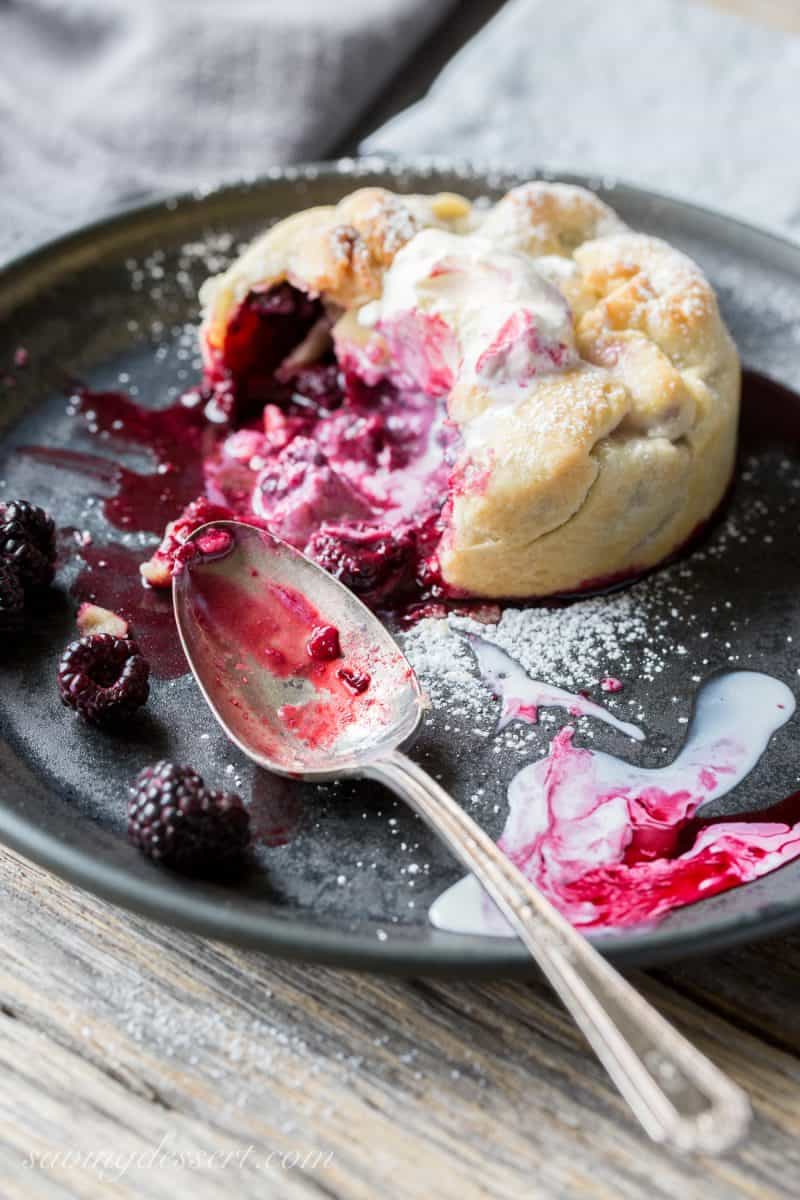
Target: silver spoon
(678, 1095)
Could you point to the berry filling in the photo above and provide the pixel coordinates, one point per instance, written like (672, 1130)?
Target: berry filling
(356, 681)
(263, 332)
(347, 461)
(369, 561)
(157, 571)
(323, 645)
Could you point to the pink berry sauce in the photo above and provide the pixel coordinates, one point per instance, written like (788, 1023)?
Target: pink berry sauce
(136, 501)
(263, 625)
(522, 697)
(615, 845)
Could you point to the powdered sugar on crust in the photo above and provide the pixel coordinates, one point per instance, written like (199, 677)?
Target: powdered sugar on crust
(585, 367)
(396, 220)
(549, 219)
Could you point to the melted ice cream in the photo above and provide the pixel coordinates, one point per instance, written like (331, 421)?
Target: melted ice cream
(522, 696)
(603, 839)
(498, 321)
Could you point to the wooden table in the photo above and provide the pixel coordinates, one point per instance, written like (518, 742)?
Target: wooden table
(139, 1061)
(121, 1036)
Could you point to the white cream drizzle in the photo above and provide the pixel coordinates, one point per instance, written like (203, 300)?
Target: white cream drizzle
(522, 696)
(576, 810)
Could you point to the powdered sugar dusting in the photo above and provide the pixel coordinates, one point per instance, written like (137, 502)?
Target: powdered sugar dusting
(395, 219)
(571, 646)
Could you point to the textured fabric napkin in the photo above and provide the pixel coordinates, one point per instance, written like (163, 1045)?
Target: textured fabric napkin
(102, 101)
(682, 97)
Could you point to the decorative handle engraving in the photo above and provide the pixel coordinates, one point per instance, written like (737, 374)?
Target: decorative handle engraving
(678, 1095)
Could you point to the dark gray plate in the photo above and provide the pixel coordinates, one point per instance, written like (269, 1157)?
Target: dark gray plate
(338, 890)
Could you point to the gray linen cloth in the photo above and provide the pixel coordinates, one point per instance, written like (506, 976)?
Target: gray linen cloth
(103, 101)
(679, 96)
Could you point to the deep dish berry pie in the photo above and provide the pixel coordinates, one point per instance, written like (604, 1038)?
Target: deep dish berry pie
(506, 401)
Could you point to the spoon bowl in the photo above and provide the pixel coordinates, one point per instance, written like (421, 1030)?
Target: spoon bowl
(251, 659)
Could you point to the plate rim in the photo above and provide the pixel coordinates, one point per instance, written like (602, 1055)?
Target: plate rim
(158, 898)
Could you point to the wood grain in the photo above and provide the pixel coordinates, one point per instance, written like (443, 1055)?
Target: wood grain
(781, 14)
(116, 1034)
(146, 1045)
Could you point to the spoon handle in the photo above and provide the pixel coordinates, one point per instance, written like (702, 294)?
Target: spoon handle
(677, 1094)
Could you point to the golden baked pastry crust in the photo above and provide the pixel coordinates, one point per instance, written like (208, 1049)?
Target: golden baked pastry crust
(598, 469)
(340, 253)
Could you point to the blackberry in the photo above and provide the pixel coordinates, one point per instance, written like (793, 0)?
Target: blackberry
(28, 543)
(317, 387)
(12, 600)
(176, 820)
(104, 678)
(373, 563)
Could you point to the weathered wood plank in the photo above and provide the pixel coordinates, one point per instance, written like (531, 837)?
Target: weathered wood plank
(115, 1032)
